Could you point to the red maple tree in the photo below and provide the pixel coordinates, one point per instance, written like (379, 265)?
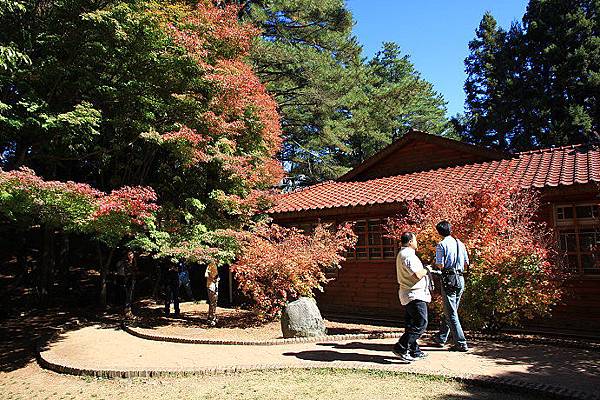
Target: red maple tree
(514, 273)
(281, 264)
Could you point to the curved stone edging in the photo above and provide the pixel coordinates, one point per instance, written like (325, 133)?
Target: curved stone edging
(359, 336)
(271, 342)
(548, 391)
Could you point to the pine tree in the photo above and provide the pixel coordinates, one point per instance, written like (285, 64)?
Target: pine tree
(482, 86)
(393, 99)
(562, 44)
(336, 107)
(538, 84)
(304, 59)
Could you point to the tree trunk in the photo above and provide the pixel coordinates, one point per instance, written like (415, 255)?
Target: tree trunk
(46, 265)
(104, 266)
(157, 284)
(20, 154)
(21, 258)
(63, 262)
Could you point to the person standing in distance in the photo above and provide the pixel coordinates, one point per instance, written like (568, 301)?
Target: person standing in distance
(451, 258)
(212, 290)
(414, 293)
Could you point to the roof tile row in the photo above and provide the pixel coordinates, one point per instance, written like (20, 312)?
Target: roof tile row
(553, 167)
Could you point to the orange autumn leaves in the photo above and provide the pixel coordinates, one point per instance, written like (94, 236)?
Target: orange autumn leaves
(281, 264)
(515, 271)
(241, 127)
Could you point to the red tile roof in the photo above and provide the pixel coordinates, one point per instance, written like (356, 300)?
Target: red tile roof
(560, 166)
(481, 153)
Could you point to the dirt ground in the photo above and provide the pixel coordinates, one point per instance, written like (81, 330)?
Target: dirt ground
(233, 324)
(32, 382)
(22, 378)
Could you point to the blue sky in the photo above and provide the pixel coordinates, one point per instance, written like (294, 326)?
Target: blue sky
(434, 33)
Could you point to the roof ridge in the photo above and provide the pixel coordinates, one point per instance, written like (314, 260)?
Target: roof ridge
(491, 154)
(303, 188)
(548, 149)
(532, 169)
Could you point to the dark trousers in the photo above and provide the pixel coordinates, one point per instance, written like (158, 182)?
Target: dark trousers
(188, 290)
(172, 295)
(414, 326)
(121, 289)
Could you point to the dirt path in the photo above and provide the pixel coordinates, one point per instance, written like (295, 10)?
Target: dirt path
(101, 348)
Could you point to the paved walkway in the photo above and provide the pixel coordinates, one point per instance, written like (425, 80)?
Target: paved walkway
(109, 349)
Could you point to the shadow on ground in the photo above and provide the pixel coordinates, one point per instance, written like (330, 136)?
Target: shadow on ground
(149, 315)
(332, 356)
(484, 392)
(18, 337)
(576, 369)
(23, 333)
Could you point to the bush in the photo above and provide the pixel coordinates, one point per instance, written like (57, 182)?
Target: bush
(515, 273)
(280, 264)
(27, 200)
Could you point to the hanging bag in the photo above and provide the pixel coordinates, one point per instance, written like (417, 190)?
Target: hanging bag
(451, 276)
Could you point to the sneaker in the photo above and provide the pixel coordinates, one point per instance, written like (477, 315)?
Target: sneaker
(419, 356)
(436, 343)
(403, 354)
(462, 349)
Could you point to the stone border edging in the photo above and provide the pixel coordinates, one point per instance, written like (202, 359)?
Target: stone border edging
(554, 392)
(271, 342)
(585, 345)
(521, 386)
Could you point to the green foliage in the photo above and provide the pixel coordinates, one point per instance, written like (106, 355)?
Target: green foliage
(494, 301)
(391, 98)
(10, 56)
(537, 84)
(337, 108)
(140, 92)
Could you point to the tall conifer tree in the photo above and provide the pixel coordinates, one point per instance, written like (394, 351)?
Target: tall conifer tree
(337, 108)
(537, 85)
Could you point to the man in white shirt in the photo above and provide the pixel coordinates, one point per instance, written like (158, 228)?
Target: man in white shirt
(414, 293)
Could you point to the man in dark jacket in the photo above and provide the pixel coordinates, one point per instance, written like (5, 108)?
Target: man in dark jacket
(170, 279)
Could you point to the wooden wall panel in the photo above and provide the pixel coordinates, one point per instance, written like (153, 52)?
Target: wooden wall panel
(369, 288)
(363, 288)
(410, 159)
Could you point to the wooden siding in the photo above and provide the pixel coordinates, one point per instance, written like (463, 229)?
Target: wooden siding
(410, 159)
(369, 288)
(580, 309)
(363, 288)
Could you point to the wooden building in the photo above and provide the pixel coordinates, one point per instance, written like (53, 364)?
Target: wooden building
(566, 177)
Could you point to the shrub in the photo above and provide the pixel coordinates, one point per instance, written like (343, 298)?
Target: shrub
(515, 273)
(280, 264)
(27, 199)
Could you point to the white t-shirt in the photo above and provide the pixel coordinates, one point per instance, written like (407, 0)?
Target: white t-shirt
(407, 263)
(212, 277)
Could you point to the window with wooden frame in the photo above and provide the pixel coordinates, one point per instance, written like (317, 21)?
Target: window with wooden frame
(578, 228)
(372, 243)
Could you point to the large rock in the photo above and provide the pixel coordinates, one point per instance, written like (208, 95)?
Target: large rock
(302, 318)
